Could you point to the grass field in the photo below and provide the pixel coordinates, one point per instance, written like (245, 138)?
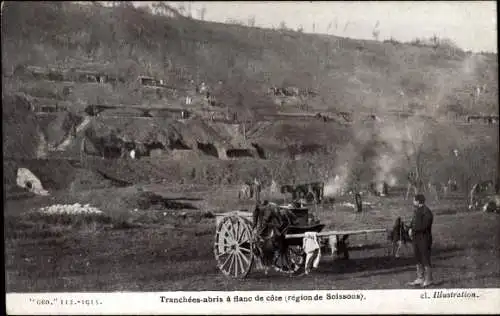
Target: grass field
(167, 245)
(171, 249)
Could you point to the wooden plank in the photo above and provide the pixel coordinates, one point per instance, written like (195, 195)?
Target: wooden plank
(340, 232)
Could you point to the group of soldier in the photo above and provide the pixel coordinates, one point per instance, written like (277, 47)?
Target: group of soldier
(475, 196)
(419, 231)
(251, 190)
(301, 193)
(416, 185)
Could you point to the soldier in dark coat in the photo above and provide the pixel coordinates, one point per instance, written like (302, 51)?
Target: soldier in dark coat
(421, 235)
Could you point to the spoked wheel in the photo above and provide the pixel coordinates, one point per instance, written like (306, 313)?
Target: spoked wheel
(296, 257)
(291, 261)
(233, 246)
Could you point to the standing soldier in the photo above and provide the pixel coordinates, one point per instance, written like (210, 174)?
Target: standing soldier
(257, 189)
(421, 235)
(310, 196)
(82, 152)
(474, 192)
(359, 202)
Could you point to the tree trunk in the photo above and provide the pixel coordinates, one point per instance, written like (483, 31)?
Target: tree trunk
(497, 189)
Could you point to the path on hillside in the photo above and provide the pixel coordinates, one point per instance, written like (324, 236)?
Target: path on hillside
(69, 139)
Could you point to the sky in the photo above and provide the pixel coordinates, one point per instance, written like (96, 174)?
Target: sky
(472, 25)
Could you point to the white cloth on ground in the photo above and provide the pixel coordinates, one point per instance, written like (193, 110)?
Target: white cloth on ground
(332, 242)
(311, 248)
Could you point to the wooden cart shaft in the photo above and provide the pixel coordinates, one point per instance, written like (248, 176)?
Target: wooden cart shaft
(339, 232)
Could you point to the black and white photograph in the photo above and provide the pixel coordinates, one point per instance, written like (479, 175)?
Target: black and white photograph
(303, 150)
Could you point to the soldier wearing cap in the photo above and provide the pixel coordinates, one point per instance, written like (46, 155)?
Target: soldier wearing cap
(421, 235)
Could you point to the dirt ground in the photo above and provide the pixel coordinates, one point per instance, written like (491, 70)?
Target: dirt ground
(169, 248)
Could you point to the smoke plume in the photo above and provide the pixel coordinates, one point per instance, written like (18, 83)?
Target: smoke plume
(336, 186)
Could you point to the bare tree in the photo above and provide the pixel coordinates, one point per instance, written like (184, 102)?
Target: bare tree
(277, 171)
(498, 174)
(435, 40)
(329, 27)
(251, 21)
(162, 8)
(413, 145)
(282, 25)
(202, 13)
(234, 21)
(346, 25)
(182, 9)
(122, 4)
(416, 134)
(376, 31)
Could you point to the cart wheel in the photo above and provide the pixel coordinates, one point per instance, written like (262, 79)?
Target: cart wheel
(290, 261)
(233, 246)
(296, 258)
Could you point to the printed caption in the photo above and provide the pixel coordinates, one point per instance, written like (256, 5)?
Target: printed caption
(449, 294)
(69, 302)
(272, 298)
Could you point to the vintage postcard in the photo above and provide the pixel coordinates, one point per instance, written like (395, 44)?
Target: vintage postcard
(250, 157)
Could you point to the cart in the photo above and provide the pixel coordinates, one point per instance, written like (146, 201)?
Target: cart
(237, 250)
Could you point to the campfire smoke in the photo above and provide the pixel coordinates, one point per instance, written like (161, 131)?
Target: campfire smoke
(403, 143)
(336, 186)
(385, 164)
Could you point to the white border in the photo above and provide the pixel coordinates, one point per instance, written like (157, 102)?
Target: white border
(419, 301)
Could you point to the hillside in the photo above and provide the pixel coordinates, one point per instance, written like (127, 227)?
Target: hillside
(68, 57)
(347, 74)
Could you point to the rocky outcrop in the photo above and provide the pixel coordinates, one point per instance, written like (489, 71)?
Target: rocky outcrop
(27, 180)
